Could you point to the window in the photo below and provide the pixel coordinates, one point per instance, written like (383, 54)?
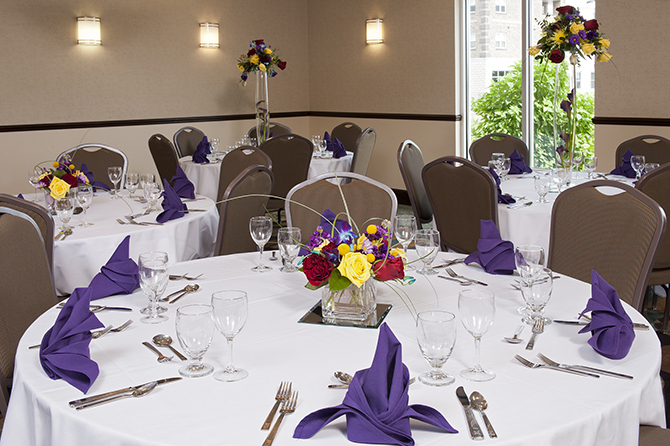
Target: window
(501, 6)
(472, 5)
(501, 41)
(473, 41)
(497, 74)
(593, 79)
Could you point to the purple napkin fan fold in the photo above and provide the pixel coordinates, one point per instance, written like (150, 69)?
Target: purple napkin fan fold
(173, 207)
(518, 164)
(502, 198)
(201, 152)
(118, 276)
(182, 185)
(610, 326)
(625, 169)
(91, 179)
(493, 253)
(376, 404)
(334, 146)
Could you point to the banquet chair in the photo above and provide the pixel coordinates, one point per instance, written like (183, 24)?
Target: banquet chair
(365, 144)
(461, 194)
(347, 133)
(236, 161)
(98, 160)
(654, 436)
(276, 129)
(617, 235)
(233, 234)
(655, 149)
(164, 155)
(368, 201)
(410, 162)
(27, 288)
(186, 140)
(481, 150)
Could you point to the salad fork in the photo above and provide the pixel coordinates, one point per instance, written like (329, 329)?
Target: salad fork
(452, 273)
(582, 368)
(538, 327)
(288, 406)
(533, 365)
(282, 395)
(100, 333)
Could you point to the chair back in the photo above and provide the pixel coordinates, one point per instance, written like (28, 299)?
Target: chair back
(186, 140)
(347, 133)
(234, 213)
(276, 129)
(461, 194)
(656, 185)
(481, 150)
(290, 155)
(164, 155)
(367, 200)
(655, 149)
(236, 161)
(363, 152)
(410, 162)
(98, 160)
(609, 227)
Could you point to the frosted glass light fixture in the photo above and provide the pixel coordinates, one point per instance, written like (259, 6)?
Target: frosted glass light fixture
(373, 31)
(209, 35)
(88, 31)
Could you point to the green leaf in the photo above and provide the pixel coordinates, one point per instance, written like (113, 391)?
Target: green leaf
(337, 281)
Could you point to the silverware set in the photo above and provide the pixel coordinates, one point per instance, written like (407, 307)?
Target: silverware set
(100, 333)
(134, 391)
(184, 276)
(478, 403)
(453, 274)
(65, 234)
(161, 357)
(534, 365)
(570, 368)
(97, 308)
(132, 221)
(520, 205)
(286, 402)
(181, 293)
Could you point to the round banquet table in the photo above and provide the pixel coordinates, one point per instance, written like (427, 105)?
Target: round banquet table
(526, 406)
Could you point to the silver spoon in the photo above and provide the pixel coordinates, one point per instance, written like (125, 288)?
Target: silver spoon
(478, 402)
(187, 289)
(343, 377)
(67, 233)
(165, 341)
(515, 339)
(135, 393)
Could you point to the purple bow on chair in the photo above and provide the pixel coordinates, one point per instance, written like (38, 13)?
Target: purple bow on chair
(182, 185)
(625, 169)
(493, 253)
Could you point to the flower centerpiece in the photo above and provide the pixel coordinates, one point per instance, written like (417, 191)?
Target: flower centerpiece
(261, 59)
(569, 34)
(60, 177)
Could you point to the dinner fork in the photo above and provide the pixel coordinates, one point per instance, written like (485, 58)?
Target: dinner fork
(533, 365)
(100, 333)
(538, 327)
(282, 395)
(452, 273)
(582, 368)
(288, 406)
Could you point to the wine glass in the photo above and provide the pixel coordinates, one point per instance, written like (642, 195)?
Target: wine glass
(64, 208)
(477, 308)
(542, 185)
(436, 335)
(154, 275)
(84, 198)
(537, 293)
(152, 193)
(505, 166)
(230, 308)
(404, 229)
(261, 230)
(114, 174)
(427, 245)
(560, 178)
(529, 260)
(147, 178)
(577, 158)
(289, 240)
(195, 329)
(648, 167)
(132, 183)
(637, 163)
(590, 164)
(34, 179)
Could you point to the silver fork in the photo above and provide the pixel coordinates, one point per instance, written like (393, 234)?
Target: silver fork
(452, 273)
(582, 368)
(538, 327)
(533, 365)
(288, 406)
(161, 357)
(100, 333)
(283, 393)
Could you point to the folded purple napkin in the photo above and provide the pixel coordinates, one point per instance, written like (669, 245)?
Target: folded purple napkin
(502, 198)
(91, 180)
(625, 168)
(118, 276)
(610, 326)
(182, 185)
(517, 164)
(64, 351)
(173, 208)
(376, 403)
(201, 152)
(20, 196)
(493, 253)
(334, 146)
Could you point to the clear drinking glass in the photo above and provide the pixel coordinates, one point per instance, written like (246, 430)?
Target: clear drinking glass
(147, 178)
(404, 229)
(590, 164)
(537, 293)
(648, 167)
(542, 185)
(427, 245)
(436, 335)
(289, 239)
(560, 177)
(153, 271)
(477, 308)
(577, 158)
(84, 198)
(261, 230)
(64, 208)
(152, 193)
(34, 179)
(505, 166)
(132, 183)
(637, 162)
(195, 329)
(230, 309)
(114, 174)
(529, 260)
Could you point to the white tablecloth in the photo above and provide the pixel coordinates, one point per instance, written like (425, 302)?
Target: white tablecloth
(319, 166)
(527, 407)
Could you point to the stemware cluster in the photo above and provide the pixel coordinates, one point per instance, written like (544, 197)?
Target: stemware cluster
(536, 281)
(500, 164)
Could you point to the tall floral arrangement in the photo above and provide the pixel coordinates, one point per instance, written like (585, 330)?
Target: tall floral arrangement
(260, 57)
(60, 177)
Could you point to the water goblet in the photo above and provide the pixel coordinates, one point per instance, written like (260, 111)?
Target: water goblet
(195, 329)
(560, 177)
(505, 166)
(404, 229)
(34, 179)
(114, 174)
(537, 293)
(590, 164)
(146, 178)
(214, 145)
(427, 244)
(152, 192)
(230, 308)
(289, 239)
(648, 167)
(577, 158)
(64, 208)
(261, 230)
(542, 185)
(84, 198)
(529, 260)
(497, 156)
(436, 335)
(154, 274)
(495, 166)
(637, 163)
(132, 183)
(477, 308)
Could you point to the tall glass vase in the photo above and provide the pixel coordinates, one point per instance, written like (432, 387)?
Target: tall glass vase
(565, 138)
(262, 107)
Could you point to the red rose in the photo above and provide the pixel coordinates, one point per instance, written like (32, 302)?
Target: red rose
(258, 42)
(281, 65)
(251, 52)
(71, 180)
(46, 180)
(565, 10)
(557, 56)
(317, 269)
(389, 269)
(591, 25)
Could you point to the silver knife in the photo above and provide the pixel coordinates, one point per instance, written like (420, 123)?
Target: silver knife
(103, 396)
(475, 431)
(636, 325)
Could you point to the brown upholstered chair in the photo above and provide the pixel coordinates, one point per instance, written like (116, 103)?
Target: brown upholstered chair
(363, 152)
(236, 161)
(654, 436)
(655, 149)
(481, 150)
(234, 213)
(98, 160)
(410, 162)
(368, 202)
(617, 235)
(276, 129)
(461, 194)
(186, 140)
(164, 155)
(347, 133)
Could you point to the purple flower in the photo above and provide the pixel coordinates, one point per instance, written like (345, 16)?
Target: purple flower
(244, 77)
(565, 137)
(566, 106)
(571, 96)
(570, 17)
(274, 73)
(560, 150)
(582, 34)
(573, 39)
(592, 34)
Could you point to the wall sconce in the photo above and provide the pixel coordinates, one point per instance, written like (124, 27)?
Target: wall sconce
(373, 31)
(209, 35)
(88, 31)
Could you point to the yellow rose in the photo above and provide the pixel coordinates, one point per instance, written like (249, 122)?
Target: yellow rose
(588, 48)
(605, 43)
(576, 27)
(267, 51)
(58, 188)
(343, 248)
(372, 229)
(604, 57)
(240, 67)
(262, 67)
(254, 59)
(534, 50)
(355, 267)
